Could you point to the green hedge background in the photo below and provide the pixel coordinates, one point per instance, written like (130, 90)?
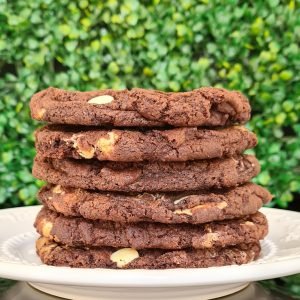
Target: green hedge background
(252, 46)
(169, 45)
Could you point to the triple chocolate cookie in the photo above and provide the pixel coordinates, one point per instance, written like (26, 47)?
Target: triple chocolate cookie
(180, 144)
(147, 176)
(185, 207)
(205, 106)
(144, 235)
(52, 253)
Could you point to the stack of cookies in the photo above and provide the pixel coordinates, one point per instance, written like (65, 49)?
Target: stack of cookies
(146, 179)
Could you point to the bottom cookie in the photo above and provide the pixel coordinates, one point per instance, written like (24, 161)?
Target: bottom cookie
(55, 254)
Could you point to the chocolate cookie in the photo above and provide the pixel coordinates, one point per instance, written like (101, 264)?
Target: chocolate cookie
(52, 253)
(205, 106)
(83, 232)
(148, 176)
(179, 144)
(189, 207)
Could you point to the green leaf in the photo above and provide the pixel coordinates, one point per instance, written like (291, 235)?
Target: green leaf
(65, 29)
(286, 75)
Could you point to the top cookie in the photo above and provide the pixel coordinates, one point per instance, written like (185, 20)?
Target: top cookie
(205, 106)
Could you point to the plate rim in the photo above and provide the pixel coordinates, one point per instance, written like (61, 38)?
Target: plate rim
(148, 278)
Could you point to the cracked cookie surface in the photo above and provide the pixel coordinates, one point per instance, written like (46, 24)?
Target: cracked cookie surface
(147, 176)
(205, 106)
(74, 231)
(52, 253)
(183, 207)
(180, 144)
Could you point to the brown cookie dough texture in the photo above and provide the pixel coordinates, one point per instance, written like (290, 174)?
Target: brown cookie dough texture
(148, 176)
(143, 235)
(205, 106)
(185, 207)
(180, 144)
(52, 253)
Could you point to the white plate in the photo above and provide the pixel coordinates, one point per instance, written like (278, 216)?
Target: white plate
(280, 257)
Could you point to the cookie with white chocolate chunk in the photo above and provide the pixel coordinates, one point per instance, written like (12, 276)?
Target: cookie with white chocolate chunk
(205, 106)
(52, 253)
(179, 144)
(76, 232)
(185, 207)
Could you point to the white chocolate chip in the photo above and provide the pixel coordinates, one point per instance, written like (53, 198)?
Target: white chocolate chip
(57, 190)
(41, 242)
(248, 223)
(124, 256)
(239, 127)
(209, 238)
(222, 205)
(100, 100)
(183, 212)
(40, 113)
(87, 152)
(43, 246)
(181, 199)
(190, 211)
(46, 228)
(105, 145)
